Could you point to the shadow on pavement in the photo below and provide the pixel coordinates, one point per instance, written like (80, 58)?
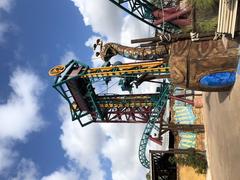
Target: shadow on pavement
(208, 95)
(223, 95)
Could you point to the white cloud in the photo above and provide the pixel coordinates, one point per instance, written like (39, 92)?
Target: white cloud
(62, 174)
(104, 17)
(91, 41)
(122, 149)
(68, 56)
(82, 145)
(26, 170)
(6, 5)
(19, 115)
(133, 29)
(7, 157)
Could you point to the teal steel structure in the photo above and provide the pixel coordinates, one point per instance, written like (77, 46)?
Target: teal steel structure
(158, 110)
(143, 9)
(75, 84)
(62, 88)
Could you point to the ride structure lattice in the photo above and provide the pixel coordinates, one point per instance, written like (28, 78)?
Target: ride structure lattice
(144, 11)
(75, 83)
(158, 110)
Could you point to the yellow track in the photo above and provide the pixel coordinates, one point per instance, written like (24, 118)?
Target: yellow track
(124, 97)
(109, 105)
(128, 69)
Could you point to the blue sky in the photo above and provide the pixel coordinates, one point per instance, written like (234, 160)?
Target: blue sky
(37, 138)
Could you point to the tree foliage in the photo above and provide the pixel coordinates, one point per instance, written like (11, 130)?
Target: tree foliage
(196, 160)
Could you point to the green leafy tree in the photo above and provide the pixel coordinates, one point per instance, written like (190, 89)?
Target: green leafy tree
(196, 160)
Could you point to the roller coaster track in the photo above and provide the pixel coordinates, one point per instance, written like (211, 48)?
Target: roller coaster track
(158, 110)
(125, 70)
(142, 10)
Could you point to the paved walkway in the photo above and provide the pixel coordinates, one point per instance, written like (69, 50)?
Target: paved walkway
(222, 122)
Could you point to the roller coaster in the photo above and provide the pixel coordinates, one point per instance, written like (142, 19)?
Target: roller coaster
(146, 12)
(159, 61)
(75, 81)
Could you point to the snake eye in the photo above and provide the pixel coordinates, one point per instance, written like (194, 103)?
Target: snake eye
(97, 54)
(98, 41)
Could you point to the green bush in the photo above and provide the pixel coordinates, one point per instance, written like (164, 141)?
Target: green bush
(205, 4)
(196, 160)
(207, 25)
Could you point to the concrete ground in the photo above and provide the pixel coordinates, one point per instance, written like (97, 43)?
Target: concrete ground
(222, 123)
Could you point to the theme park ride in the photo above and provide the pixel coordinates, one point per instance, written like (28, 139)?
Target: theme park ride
(199, 64)
(196, 61)
(167, 13)
(75, 83)
(172, 15)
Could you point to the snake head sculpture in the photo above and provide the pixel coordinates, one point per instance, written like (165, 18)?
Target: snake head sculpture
(107, 51)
